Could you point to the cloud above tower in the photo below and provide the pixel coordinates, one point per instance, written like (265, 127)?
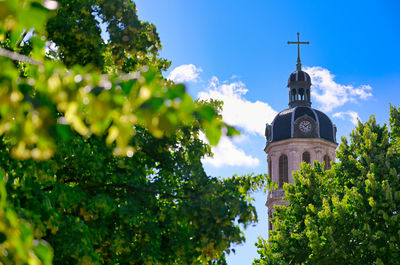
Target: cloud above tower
(329, 94)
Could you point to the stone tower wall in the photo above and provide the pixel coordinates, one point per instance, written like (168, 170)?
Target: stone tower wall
(293, 148)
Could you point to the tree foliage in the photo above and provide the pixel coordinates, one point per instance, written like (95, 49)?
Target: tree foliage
(17, 244)
(101, 154)
(157, 206)
(346, 215)
(39, 96)
(76, 31)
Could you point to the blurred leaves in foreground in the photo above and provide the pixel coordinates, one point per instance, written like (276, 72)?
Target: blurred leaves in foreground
(41, 99)
(101, 154)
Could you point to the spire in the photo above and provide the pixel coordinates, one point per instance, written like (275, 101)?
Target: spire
(298, 42)
(299, 82)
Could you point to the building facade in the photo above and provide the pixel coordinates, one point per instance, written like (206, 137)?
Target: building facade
(297, 134)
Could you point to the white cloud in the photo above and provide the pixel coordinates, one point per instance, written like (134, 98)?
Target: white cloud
(238, 111)
(185, 73)
(351, 115)
(330, 94)
(227, 154)
(249, 116)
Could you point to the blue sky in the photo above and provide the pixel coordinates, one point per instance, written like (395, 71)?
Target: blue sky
(237, 51)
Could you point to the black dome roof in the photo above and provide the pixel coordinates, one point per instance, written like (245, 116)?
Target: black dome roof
(283, 125)
(299, 75)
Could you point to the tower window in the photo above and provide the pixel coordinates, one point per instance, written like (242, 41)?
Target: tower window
(301, 93)
(269, 168)
(283, 170)
(327, 161)
(306, 157)
(293, 94)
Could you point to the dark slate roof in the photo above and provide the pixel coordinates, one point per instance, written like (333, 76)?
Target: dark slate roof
(283, 123)
(299, 76)
(300, 111)
(281, 126)
(325, 126)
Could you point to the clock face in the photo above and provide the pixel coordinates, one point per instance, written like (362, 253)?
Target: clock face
(305, 126)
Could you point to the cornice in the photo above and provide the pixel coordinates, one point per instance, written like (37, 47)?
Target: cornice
(300, 141)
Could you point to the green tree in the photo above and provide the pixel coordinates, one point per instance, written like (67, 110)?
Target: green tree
(76, 31)
(39, 96)
(101, 154)
(156, 207)
(17, 244)
(346, 215)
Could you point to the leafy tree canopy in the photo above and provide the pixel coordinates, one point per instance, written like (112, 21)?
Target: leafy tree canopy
(76, 31)
(39, 96)
(346, 215)
(101, 155)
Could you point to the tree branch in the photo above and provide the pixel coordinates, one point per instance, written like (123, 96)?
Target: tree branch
(65, 182)
(18, 57)
(22, 38)
(130, 188)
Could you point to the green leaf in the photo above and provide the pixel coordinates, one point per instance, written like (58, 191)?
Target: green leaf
(64, 131)
(3, 237)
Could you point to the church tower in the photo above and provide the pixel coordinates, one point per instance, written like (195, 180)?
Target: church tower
(297, 134)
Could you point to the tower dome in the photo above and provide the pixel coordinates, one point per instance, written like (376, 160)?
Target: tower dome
(301, 122)
(299, 76)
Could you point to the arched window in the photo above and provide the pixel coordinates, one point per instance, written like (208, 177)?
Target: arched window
(301, 93)
(269, 168)
(283, 170)
(293, 94)
(306, 157)
(308, 94)
(327, 161)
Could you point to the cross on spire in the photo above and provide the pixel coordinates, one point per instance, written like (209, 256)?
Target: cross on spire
(298, 42)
